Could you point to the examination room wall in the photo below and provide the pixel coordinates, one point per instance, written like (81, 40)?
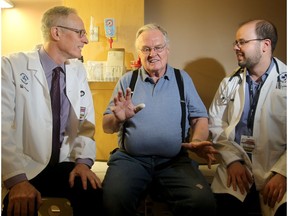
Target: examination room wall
(201, 34)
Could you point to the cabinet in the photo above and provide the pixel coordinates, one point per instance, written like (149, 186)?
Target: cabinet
(105, 143)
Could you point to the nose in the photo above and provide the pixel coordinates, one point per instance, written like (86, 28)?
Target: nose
(236, 47)
(152, 52)
(85, 39)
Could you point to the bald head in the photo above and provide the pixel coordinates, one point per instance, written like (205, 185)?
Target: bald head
(264, 30)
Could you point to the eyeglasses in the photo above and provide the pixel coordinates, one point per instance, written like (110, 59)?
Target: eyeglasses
(157, 49)
(81, 32)
(242, 42)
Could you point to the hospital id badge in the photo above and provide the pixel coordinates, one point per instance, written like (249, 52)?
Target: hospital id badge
(247, 143)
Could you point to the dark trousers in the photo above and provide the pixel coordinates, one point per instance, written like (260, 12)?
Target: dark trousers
(178, 181)
(230, 205)
(54, 182)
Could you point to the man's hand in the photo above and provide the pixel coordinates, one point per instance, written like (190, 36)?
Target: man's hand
(24, 200)
(123, 108)
(274, 189)
(238, 175)
(83, 171)
(203, 149)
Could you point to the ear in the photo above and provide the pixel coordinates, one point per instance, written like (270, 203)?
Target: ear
(267, 45)
(55, 34)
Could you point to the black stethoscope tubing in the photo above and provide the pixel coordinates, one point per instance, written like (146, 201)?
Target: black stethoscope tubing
(240, 70)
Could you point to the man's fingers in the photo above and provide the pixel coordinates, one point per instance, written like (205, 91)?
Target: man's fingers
(281, 194)
(209, 163)
(71, 179)
(201, 143)
(128, 94)
(84, 182)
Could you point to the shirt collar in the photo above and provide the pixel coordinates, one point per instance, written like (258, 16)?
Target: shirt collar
(47, 62)
(145, 76)
(265, 75)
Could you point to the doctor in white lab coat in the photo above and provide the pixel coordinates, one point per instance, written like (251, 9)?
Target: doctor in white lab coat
(27, 121)
(27, 116)
(261, 162)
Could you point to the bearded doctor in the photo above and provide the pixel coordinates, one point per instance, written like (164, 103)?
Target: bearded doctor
(247, 119)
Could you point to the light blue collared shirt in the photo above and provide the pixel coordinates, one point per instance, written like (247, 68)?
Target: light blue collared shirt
(48, 65)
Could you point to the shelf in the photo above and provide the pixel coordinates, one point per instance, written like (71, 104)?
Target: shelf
(96, 85)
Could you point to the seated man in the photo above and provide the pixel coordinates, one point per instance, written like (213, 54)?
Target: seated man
(248, 123)
(152, 143)
(48, 122)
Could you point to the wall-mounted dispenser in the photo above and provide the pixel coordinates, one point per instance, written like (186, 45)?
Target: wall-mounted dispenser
(110, 30)
(93, 31)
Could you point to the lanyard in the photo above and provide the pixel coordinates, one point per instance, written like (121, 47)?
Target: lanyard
(255, 97)
(253, 104)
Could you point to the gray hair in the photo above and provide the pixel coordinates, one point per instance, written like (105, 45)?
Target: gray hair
(53, 17)
(152, 26)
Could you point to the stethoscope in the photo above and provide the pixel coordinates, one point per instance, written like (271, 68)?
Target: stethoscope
(282, 77)
(226, 96)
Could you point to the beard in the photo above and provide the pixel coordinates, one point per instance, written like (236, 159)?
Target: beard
(251, 60)
(248, 63)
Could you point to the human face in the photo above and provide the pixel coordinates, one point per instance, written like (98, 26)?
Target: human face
(155, 61)
(71, 43)
(250, 53)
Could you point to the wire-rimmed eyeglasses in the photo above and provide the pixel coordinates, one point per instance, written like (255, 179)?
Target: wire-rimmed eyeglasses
(81, 32)
(242, 42)
(157, 49)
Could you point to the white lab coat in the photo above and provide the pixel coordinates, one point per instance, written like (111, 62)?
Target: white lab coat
(269, 131)
(27, 116)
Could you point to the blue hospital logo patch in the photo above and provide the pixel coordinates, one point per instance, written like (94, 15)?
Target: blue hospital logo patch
(283, 77)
